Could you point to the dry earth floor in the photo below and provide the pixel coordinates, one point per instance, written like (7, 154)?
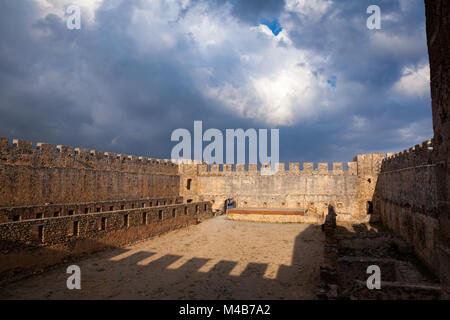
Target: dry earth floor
(217, 259)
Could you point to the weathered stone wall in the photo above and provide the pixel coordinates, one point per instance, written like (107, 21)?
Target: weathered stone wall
(32, 176)
(406, 199)
(8, 214)
(368, 166)
(309, 188)
(30, 245)
(438, 37)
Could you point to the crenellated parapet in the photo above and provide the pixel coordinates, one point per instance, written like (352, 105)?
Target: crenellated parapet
(419, 155)
(293, 169)
(24, 153)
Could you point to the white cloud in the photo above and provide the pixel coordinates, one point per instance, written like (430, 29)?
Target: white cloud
(359, 122)
(246, 69)
(413, 133)
(414, 83)
(312, 9)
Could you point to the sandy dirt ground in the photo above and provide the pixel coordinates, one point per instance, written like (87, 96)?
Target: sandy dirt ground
(217, 259)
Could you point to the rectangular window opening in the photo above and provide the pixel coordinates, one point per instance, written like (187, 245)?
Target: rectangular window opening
(38, 233)
(76, 230)
(103, 224)
(188, 184)
(144, 218)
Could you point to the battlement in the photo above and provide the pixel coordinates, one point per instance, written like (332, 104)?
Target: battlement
(420, 154)
(337, 168)
(22, 152)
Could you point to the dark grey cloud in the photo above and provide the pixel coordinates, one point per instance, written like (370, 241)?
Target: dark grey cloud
(97, 88)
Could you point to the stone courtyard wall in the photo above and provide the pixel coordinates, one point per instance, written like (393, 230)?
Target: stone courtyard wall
(406, 199)
(32, 176)
(30, 245)
(307, 188)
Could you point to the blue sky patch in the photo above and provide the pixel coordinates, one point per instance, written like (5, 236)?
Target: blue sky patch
(273, 25)
(332, 81)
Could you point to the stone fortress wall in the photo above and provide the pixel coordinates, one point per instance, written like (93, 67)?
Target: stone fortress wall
(57, 204)
(312, 189)
(438, 38)
(406, 199)
(43, 174)
(413, 193)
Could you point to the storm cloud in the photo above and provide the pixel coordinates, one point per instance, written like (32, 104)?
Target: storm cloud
(139, 69)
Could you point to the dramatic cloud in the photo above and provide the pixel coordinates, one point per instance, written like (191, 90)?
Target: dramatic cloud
(139, 69)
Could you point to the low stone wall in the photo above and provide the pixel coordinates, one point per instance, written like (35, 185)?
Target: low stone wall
(273, 215)
(27, 246)
(8, 214)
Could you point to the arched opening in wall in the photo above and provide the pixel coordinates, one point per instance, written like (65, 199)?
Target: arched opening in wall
(188, 184)
(189, 200)
(369, 207)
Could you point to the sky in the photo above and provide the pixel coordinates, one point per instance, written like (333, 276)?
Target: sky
(139, 69)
